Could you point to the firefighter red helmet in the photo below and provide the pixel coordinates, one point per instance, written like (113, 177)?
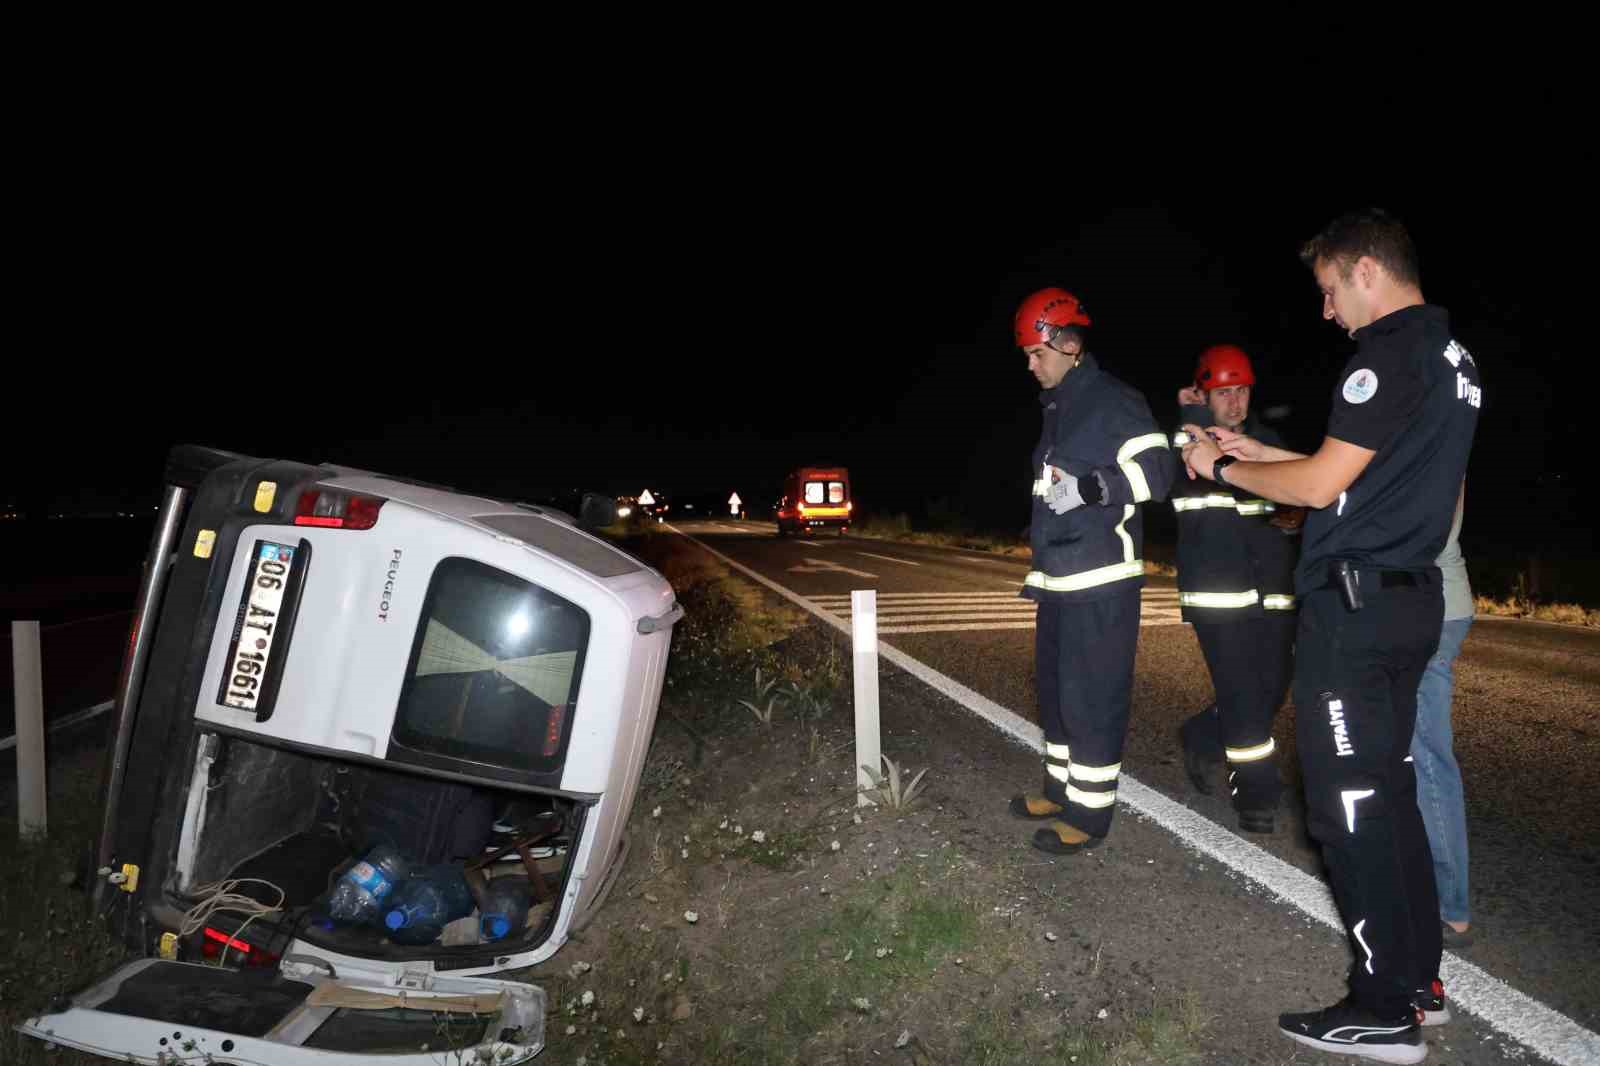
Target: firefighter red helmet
(1044, 310)
(1222, 365)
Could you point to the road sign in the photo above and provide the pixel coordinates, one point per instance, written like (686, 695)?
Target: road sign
(733, 503)
(645, 499)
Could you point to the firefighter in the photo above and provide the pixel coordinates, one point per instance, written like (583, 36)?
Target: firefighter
(1236, 557)
(1100, 455)
(1382, 487)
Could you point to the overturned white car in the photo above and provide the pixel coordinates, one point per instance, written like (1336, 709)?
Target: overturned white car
(325, 661)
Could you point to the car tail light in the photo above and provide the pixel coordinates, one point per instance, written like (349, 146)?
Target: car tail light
(553, 727)
(337, 510)
(216, 942)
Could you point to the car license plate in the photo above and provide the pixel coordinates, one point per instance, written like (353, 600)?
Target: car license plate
(257, 624)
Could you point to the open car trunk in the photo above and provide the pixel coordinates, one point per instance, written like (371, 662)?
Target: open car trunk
(275, 820)
(294, 986)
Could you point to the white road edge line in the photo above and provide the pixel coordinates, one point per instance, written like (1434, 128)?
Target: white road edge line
(1509, 1012)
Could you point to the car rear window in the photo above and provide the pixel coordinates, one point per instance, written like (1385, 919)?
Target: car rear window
(494, 669)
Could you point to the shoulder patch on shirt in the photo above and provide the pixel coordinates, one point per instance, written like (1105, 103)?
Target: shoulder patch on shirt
(1454, 352)
(1360, 386)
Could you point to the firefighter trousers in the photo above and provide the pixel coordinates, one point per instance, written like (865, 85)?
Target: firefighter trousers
(1355, 697)
(1083, 660)
(1250, 662)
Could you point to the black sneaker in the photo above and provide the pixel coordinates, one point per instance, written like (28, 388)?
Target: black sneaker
(1346, 1029)
(1430, 1001)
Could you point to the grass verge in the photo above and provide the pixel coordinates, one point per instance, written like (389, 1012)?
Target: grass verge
(765, 920)
(52, 948)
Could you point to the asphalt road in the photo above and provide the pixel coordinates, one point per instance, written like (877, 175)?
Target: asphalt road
(1526, 719)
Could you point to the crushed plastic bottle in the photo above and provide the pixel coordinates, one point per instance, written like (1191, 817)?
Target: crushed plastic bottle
(362, 891)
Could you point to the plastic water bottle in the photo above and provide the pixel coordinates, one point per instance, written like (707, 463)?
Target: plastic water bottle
(427, 901)
(505, 907)
(365, 887)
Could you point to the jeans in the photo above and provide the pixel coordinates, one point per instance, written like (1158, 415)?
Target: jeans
(1439, 794)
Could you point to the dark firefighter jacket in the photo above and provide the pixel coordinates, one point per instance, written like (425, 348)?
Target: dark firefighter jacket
(1095, 423)
(1233, 563)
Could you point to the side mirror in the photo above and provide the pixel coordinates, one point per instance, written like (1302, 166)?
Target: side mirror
(597, 511)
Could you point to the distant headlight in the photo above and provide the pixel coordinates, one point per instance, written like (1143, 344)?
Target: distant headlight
(624, 512)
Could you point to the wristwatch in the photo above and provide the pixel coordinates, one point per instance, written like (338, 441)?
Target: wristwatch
(1216, 468)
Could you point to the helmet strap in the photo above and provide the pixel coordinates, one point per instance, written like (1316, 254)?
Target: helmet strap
(1050, 342)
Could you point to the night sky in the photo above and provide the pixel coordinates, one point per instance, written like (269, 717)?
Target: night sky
(704, 329)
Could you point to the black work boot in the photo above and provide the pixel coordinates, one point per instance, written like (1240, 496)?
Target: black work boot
(1255, 789)
(1202, 772)
(1060, 838)
(1257, 821)
(1200, 740)
(1033, 806)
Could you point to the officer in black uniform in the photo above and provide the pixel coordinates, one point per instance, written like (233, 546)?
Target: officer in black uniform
(1236, 560)
(1100, 455)
(1383, 486)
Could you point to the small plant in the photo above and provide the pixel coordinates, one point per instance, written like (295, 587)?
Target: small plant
(813, 697)
(810, 701)
(815, 748)
(763, 691)
(886, 790)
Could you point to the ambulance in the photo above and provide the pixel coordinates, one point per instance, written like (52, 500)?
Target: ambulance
(815, 498)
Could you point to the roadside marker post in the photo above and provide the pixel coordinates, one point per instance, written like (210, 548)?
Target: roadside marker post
(28, 692)
(864, 646)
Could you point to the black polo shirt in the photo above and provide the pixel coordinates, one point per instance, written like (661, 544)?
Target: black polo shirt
(1411, 394)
